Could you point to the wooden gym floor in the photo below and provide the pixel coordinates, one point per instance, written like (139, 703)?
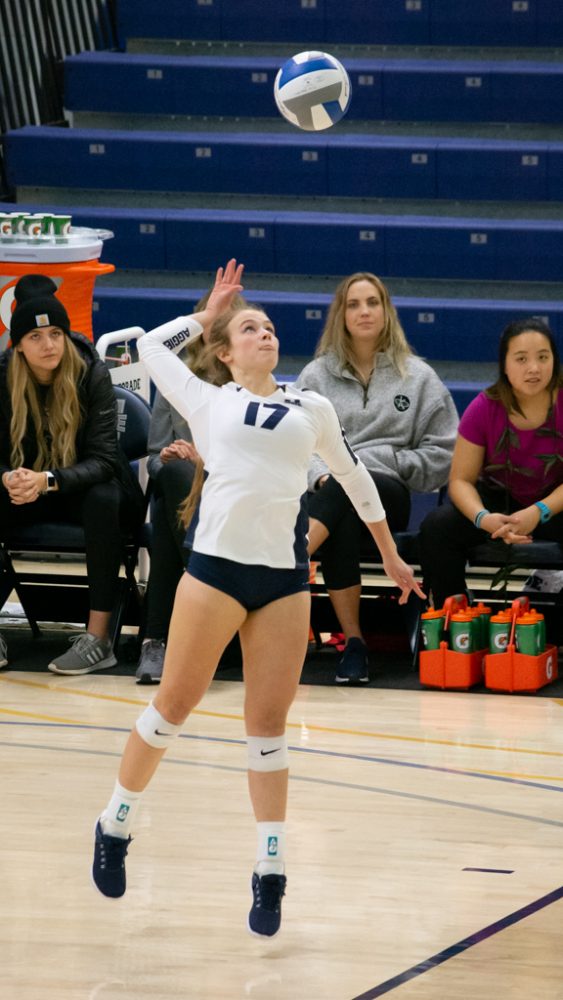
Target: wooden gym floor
(425, 849)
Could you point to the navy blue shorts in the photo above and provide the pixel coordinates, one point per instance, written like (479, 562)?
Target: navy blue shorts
(252, 586)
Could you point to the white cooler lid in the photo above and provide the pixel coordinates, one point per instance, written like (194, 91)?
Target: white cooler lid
(80, 244)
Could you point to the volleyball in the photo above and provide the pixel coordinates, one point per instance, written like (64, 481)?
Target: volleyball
(312, 91)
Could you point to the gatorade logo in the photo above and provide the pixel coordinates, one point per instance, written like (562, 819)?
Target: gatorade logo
(133, 383)
(462, 642)
(272, 846)
(500, 642)
(549, 668)
(122, 812)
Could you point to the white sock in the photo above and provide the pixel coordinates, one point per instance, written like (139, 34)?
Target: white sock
(119, 814)
(270, 855)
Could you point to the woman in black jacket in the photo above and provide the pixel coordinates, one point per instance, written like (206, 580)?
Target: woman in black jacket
(59, 454)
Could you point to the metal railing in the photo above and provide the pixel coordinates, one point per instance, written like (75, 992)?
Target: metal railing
(35, 37)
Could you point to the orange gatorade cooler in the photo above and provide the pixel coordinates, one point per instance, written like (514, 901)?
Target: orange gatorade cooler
(70, 258)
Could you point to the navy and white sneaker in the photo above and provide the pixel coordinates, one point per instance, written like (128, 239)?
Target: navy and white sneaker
(3, 653)
(108, 869)
(264, 918)
(354, 663)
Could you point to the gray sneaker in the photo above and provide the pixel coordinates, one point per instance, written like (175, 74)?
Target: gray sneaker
(151, 662)
(3, 653)
(88, 654)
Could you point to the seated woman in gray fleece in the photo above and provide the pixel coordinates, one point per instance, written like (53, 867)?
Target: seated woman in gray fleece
(400, 420)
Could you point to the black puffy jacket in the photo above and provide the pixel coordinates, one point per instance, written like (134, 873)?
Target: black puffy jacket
(97, 453)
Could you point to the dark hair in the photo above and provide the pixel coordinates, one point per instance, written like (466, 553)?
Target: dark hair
(502, 389)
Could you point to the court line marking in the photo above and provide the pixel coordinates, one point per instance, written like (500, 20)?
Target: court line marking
(440, 957)
(340, 755)
(237, 717)
(305, 779)
(461, 946)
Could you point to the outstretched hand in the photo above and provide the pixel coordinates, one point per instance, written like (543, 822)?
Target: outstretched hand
(402, 574)
(228, 283)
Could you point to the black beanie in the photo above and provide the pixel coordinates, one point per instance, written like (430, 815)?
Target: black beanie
(36, 306)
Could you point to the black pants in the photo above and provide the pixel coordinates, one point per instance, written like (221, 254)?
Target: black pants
(101, 510)
(168, 557)
(447, 536)
(340, 553)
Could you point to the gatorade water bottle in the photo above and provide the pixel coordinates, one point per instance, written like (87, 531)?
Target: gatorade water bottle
(528, 634)
(541, 622)
(499, 631)
(477, 627)
(463, 629)
(431, 627)
(484, 616)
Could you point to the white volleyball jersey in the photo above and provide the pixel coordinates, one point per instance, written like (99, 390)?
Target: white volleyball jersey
(256, 452)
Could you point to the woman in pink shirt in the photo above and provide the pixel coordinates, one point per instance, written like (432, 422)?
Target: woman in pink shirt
(506, 477)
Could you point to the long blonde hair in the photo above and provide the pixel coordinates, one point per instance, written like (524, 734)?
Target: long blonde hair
(203, 361)
(56, 424)
(335, 336)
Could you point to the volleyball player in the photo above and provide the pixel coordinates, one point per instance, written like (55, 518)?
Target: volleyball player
(248, 570)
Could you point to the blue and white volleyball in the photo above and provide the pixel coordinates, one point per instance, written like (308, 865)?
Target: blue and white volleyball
(313, 91)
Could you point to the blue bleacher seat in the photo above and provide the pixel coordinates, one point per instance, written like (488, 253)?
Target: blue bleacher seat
(430, 247)
(298, 317)
(167, 161)
(555, 171)
(196, 240)
(527, 92)
(463, 392)
(319, 243)
(304, 164)
(382, 167)
(468, 329)
(476, 248)
(329, 243)
(171, 85)
(483, 22)
(491, 170)
(439, 329)
(376, 22)
(549, 19)
(437, 90)
(381, 22)
(180, 19)
(291, 21)
(391, 89)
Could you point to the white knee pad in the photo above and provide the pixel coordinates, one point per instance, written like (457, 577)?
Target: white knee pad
(267, 753)
(153, 728)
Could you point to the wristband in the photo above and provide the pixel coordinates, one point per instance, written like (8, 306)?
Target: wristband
(545, 513)
(479, 517)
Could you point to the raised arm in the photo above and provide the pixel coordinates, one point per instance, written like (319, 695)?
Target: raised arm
(158, 348)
